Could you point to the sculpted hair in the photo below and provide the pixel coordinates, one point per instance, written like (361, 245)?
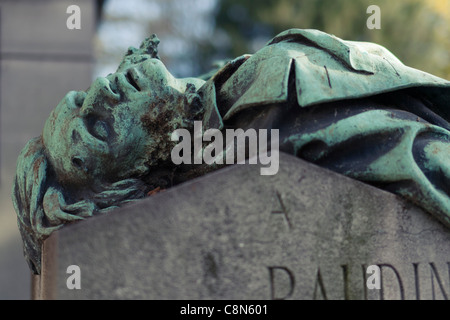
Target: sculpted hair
(40, 202)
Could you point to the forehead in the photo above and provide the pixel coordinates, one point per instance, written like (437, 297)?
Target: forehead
(54, 135)
(59, 114)
(65, 135)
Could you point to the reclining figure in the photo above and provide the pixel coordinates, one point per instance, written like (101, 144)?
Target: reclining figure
(351, 107)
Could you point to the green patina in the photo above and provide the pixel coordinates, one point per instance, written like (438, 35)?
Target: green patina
(348, 106)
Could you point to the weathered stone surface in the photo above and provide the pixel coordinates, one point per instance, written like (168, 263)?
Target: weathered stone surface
(304, 233)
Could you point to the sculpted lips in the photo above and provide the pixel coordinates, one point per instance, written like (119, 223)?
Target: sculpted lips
(130, 78)
(79, 98)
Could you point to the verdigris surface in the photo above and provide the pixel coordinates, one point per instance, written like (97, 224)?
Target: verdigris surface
(347, 106)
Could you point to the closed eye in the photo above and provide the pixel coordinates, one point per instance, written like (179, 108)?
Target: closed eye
(77, 162)
(97, 127)
(100, 130)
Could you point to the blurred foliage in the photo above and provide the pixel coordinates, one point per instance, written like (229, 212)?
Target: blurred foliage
(417, 32)
(181, 25)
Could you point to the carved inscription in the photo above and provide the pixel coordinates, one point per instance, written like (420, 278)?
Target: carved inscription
(435, 275)
(397, 279)
(319, 287)
(280, 208)
(284, 282)
(289, 279)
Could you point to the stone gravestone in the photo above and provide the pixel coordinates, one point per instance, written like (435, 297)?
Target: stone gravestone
(304, 233)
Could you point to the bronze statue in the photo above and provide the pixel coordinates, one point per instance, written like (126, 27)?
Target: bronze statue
(351, 107)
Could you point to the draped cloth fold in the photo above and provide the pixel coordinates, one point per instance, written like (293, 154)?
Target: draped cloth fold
(351, 107)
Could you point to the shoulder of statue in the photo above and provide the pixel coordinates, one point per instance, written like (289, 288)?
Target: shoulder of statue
(331, 69)
(325, 68)
(213, 116)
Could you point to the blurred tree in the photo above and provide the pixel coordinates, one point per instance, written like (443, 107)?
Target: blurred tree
(180, 24)
(417, 32)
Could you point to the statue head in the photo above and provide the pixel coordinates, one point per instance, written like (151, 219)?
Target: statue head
(100, 148)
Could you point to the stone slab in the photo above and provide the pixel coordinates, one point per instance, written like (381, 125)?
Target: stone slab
(304, 233)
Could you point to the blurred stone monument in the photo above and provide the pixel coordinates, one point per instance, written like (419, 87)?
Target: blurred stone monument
(304, 233)
(40, 60)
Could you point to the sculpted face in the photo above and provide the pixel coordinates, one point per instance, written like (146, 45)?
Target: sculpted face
(99, 134)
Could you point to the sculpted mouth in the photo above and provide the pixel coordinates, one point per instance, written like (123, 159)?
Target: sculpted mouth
(130, 78)
(113, 87)
(79, 98)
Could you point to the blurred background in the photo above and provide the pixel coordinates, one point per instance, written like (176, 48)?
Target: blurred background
(41, 59)
(195, 33)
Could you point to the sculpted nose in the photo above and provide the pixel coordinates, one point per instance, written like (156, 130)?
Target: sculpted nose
(101, 93)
